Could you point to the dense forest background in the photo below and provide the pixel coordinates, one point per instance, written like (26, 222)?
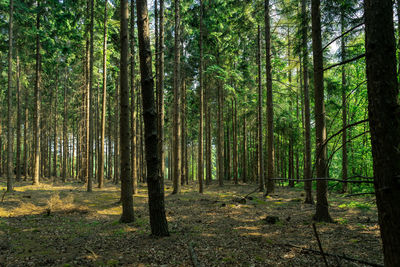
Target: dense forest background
(260, 92)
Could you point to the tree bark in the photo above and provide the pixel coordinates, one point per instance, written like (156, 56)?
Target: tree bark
(322, 213)
(260, 119)
(270, 111)
(133, 104)
(384, 118)
(177, 92)
(65, 137)
(10, 110)
(126, 178)
(18, 162)
(307, 120)
(201, 104)
(36, 165)
(158, 221)
(100, 171)
(344, 105)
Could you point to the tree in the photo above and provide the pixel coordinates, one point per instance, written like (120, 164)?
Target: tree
(133, 104)
(158, 220)
(270, 110)
(201, 104)
(89, 101)
(384, 114)
(307, 123)
(177, 94)
(104, 101)
(322, 213)
(36, 127)
(126, 178)
(9, 112)
(260, 119)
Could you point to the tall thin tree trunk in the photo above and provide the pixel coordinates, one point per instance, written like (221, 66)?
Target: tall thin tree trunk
(9, 111)
(18, 163)
(235, 145)
(270, 111)
(126, 178)
(104, 101)
(65, 137)
(183, 133)
(260, 159)
(177, 93)
(307, 120)
(27, 97)
(201, 105)
(244, 167)
(322, 213)
(344, 105)
(133, 104)
(90, 129)
(36, 165)
(160, 81)
(54, 173)
(158, 221)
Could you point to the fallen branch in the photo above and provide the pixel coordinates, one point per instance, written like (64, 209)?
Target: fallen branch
(319, 244)
(333, 255)
(4, 194)
(328, 179)
(360, 194)
(252, 192)
(193, 256)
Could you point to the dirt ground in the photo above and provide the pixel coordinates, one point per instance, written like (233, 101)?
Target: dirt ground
(58, 224)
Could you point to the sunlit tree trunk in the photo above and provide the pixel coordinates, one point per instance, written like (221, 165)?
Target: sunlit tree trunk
(260, 159)
(9, 111)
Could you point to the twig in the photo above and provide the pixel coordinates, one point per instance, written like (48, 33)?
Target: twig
(319, 244)
(193, 256)
(333, 255)
(91, 251)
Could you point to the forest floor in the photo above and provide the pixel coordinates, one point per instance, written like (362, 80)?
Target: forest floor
(57, 224)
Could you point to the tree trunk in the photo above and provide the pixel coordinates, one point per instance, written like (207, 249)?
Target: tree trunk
(90, 98)
(208, 138)
(270, 111)
(177, 92)
(244, 167)
(160, 81)
(384, 120)
(260, 119)
(9, 112)
(235, 145)
(344, 106)
(184, 177)
(322, 213)
(201, 105)
(18, 163)
(158, 221)
(27, 97)
(36, 165)
(307, 120)
(100, 171)
(126, 178)
(133, 104)
(65, 137)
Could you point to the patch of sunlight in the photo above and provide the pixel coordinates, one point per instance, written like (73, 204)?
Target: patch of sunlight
(208, 235)
(4, 212)
(111, 211)
(27, 209)
(247, 228)
(252, 234)
(278, 203)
